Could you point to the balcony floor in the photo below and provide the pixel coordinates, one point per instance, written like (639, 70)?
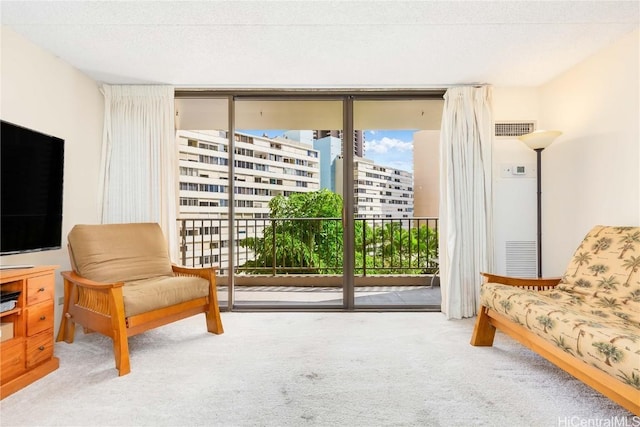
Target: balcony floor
(379, 296)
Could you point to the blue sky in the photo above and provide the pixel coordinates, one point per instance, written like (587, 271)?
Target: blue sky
(393, 148)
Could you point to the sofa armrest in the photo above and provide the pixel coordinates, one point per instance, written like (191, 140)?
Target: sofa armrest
(534, 284)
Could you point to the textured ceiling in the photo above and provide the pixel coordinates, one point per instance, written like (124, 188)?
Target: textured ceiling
(320, 44)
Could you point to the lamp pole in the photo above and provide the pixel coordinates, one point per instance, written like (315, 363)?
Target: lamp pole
(539, 179)
(538, 141)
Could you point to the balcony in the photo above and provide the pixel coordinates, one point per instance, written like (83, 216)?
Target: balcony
(280, 261)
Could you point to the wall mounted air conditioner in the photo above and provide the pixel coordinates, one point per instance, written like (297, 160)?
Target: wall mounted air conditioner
(514, 129)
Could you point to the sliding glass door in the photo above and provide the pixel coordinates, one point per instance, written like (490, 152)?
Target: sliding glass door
(288, 214)
(202, 141)
(396, 242)
(310, 201)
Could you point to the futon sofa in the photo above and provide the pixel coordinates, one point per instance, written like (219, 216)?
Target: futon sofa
(587, 322)
(123, 284)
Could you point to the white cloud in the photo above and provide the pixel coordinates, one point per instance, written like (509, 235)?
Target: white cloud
(385, 145)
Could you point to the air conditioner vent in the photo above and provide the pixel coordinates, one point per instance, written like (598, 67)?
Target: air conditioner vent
(521, 257)
(514, 129)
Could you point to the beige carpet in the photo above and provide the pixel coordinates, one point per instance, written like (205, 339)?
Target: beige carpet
(317, 369)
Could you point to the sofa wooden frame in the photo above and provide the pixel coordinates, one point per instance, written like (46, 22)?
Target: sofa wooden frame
(99, 307)
(489, 320)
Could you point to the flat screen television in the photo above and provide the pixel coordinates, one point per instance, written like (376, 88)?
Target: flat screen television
(31, 179)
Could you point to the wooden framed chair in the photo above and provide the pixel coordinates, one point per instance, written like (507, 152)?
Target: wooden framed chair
(123, 284)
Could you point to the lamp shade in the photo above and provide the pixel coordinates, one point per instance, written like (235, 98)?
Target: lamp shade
(540, 139)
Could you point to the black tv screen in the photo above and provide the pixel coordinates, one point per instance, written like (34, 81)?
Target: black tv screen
(31, 177)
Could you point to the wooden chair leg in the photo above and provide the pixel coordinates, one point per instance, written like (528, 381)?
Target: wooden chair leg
(214, 321)
(120, 345)
(483, 332)
(67, 329)
(121, 353)
(119, 332)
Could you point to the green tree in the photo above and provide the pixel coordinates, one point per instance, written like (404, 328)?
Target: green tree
(297, 240)
(392, 247)
(292, 244)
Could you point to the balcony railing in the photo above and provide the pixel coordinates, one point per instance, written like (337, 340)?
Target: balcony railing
(277, 246)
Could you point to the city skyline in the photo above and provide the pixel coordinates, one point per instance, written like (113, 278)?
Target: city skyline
(391, 148)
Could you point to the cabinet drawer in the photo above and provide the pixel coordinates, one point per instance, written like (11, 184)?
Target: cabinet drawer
(39, 348)
(39, 318)
(39, 289)
(13, 359)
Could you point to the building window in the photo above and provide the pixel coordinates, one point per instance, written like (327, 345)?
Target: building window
(185, 201)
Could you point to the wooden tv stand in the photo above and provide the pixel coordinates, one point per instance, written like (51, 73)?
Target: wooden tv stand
(27, 338)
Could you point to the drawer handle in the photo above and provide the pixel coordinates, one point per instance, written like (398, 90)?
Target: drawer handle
(41, 348)
(43, 317)
(41, 290)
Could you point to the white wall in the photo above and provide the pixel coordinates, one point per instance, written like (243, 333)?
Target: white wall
(40, 92)
(514, 196)
(591, 174)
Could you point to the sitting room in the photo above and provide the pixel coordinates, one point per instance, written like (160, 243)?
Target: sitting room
(273, 213)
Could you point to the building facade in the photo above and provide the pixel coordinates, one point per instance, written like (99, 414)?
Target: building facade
(379, 191)
(263, 168)
(329, 148)
(358, 139)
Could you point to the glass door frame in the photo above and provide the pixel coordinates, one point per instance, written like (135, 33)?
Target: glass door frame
(348, 96)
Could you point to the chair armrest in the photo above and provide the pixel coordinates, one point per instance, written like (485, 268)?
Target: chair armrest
(74, 278)
(82, 296)
(536, 284)
(205, 272)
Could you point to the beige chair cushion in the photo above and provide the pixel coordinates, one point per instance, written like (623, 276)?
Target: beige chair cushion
(141, 296)
(119, 252)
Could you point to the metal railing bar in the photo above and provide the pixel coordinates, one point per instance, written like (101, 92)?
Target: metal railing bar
(382, 242)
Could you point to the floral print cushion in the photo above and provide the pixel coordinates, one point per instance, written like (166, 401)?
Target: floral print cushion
(604, 272)
(594, 312)
(592, 334)
(606, 265)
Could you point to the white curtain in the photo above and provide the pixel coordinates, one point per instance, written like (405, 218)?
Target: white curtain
(466, 231)
(139, 159)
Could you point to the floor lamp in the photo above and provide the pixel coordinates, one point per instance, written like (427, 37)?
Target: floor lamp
(538, 141)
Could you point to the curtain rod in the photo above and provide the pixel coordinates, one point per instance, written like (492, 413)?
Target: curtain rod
(312, 93)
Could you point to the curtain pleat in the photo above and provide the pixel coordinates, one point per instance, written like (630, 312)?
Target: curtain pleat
(139, 158)
(466, 218)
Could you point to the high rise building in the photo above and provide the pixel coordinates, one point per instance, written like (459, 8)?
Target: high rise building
(329, 148)
(264, 168)
(358, 139)
(379, 191)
